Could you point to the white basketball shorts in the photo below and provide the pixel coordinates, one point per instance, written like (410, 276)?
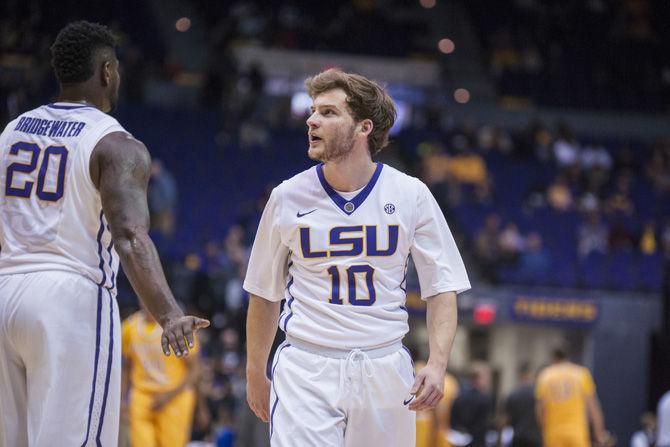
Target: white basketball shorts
(60, 354)
(323, 397)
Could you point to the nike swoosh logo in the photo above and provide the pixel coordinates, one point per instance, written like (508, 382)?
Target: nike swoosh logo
(299, 214)
(405, 402)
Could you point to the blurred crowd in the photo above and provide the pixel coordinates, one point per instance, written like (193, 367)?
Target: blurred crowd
(527, 205)
(544, 200)
(594, 53)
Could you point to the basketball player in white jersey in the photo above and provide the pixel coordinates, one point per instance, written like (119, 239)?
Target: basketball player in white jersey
(72, 205)
(334, 242)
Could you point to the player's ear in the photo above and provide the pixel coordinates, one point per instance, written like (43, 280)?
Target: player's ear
(366, 126)
(106, 72)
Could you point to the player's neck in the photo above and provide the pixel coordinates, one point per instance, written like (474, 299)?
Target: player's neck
(77, 93)
(349, 173)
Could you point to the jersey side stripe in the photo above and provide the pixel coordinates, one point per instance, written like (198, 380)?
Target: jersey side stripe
(109, 367)
(95, 367)
(111, 259)
(101, 265)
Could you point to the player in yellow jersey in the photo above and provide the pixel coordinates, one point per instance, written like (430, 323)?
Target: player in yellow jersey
(158, 392)
(566, 401)
(433, 425)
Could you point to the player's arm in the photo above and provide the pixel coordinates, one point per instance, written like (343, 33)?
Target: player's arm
(539, 413)
(262, 319)
(595, 413)
(441, 319)
(120, 167)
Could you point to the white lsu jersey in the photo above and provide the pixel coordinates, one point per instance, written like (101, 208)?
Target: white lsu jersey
(50, 212)
(340, 259)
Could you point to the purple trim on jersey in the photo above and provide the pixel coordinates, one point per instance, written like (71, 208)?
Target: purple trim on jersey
(74, 106)
(272, 415)
(404, 278)
(290, 301)
(95, 367)
(341, 201)
(111, 259)
(109, 369)
(101, 265)
(272, 374)
(410, 359)
(290, 312)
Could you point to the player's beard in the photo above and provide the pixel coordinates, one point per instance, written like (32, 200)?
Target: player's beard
(341, 145)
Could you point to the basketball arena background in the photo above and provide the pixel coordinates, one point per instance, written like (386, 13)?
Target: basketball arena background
(542, 128)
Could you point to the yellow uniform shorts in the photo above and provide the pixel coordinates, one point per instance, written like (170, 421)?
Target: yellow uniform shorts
(168, 427)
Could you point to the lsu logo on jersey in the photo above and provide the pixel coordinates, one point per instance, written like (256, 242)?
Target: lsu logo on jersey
(350, 241)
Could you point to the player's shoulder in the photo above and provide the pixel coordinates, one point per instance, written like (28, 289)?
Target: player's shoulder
(306, 177)
(300, 183)
(583, 371)
(402, 180)
(547, 373)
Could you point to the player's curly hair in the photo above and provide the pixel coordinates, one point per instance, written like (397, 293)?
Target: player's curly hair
(73, 50)
(366, 100)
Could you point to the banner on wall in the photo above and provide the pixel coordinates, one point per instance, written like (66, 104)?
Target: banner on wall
(555, 310)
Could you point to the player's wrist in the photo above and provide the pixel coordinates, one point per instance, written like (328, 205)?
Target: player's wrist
(169, 317)
(255, 372)
(440, 365)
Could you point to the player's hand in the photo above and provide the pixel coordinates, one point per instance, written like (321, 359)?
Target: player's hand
(178, 333)
(605, 439)
(258, 395)
(160, 400)
(428, 387)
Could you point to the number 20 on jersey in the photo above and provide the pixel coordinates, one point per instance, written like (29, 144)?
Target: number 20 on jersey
(52, 166)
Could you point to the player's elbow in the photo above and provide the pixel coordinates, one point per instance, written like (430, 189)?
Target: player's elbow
(129, 238)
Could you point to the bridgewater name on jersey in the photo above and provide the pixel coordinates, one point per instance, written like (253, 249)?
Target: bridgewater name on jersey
(340, 259)
(50, 212)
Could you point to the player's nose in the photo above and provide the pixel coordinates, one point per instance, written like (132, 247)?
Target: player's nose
(312, 121)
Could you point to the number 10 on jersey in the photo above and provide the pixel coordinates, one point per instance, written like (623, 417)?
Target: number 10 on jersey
(351, 273)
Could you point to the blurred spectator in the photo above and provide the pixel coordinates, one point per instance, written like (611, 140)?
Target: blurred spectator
(566, 148)
(224, 430)
(620, 201)
(596, 157)
(620, 236)
(559, 195)
(646, 436)
(658, 167)
(589, 201)
(487, 248)
(511, 242)
(663, 421)
(519, 411)
(648, 243)
(596, 163)
(534, 263)
(592, 236)
(162, 196)
(472, 409)
(665, 238)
